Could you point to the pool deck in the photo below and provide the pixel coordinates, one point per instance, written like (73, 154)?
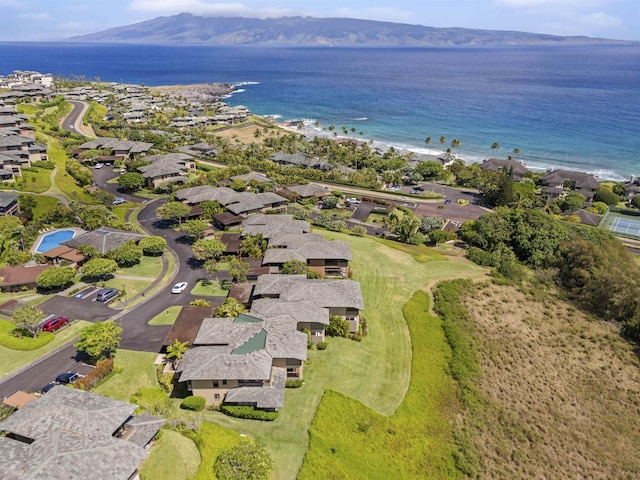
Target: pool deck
(43, 233)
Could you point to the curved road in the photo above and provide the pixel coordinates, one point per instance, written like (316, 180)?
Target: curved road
(136, 333)
(73, 121)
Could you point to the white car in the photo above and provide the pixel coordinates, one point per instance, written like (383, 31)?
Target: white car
(179, 287)
(99, 165)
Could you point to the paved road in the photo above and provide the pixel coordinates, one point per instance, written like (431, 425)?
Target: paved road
(73, 121)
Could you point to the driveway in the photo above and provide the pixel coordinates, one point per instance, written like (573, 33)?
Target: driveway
(102, 175)
(364, 210)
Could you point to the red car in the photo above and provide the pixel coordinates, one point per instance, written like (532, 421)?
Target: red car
(54, 324)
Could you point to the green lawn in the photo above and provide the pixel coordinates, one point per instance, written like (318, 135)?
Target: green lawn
(174, 457)
(149, 267)
(43, 204)
(11, 360)
(132, 287)
(168, 317)
(211, 441)
(138, 371)
(211, 290)
(376, 371)
(26, 342)
(415, 442)
(65, 182)
(37, 182)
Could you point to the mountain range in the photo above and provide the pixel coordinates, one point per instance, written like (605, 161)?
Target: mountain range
(186, 28)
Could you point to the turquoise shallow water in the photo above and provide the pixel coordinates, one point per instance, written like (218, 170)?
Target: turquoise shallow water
(575, 107)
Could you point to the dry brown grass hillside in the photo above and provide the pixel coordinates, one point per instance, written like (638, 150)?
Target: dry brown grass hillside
(563, 390)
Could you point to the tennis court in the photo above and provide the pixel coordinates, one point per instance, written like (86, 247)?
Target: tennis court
(618, 222)
(626, 226)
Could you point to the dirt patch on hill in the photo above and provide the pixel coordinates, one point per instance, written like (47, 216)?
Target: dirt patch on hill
(562, 390)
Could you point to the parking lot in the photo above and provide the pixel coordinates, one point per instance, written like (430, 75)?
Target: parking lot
(75, 308)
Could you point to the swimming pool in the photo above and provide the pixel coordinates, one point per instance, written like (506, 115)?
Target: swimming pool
(53, 239)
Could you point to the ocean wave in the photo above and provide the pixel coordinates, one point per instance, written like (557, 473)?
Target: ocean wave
(242, 84)
(361, 119)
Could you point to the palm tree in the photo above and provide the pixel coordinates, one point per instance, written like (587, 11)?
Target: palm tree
(427, 142)
(516, 152)
(177, 351)
(495, 146)
(443, 140)
(455, 143)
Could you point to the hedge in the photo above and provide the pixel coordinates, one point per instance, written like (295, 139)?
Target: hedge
(195, 403)
(241, 411)
(99, 373)
(293, 383)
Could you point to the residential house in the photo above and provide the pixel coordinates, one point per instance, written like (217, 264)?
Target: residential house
(172, 167)
(311, 190)
(495, 165)
(75, 435)
(201, 149)
(632, 188)
(63, 255)
(253, 177)
(119, 148)
(14, 279)
(341, 297)
(9, 204)
(328, 258)
(238, 203)
(271, 226)
(308, 316)
(244, 360)
(226, 220)
(103, 239)
(581, 182)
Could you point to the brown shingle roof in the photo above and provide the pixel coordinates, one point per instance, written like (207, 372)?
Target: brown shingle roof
(21, 275)
(186, 326)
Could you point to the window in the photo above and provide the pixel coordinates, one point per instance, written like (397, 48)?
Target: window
(224, 382)
(215, 384)
(216, 396)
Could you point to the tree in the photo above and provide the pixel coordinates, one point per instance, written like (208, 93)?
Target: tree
(127, 254)
(606, 195)
(455, 143)
(338, 326)
(253, 246)
(495, 146)
(246, 461)
(443, 140)
(194, 229)
(100, 340)
(427, 142)
(55, 277)
(295, 267)
(173, 211)
(89, 251)
(210, 208)
(176, 351)
(28, 318)
(10, 226)
(405, 226)
(153, 246)
(330, 201)
(238, 185)
(231, 308)
(208, 249)
(635, 201)
(571, 201)
(358, 230)
(430, 223)
(99, 268)
(131, 181)
(238, 269)
(439, 236)
(429, 169)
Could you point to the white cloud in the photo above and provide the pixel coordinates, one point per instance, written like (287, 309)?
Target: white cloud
(550, 3)
(34, 16)
(200, 7)
(600, 19)
(386, 14)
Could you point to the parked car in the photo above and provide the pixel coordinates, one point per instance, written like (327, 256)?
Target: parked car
(99, 165)
(68, 377)
(179, 287)
(54, 324)
(353, 200)
(447, 202)
(106, 294)
(48, 387)
(118, 201)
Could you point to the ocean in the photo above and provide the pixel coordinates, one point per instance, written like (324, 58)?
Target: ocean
(567, 107)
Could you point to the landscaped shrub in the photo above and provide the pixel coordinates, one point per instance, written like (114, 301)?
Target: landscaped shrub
(293, 383)
(322, 345)
(195, 403)
(480, 257)
(338, 326)
(97, 375)
(242, 411)
(164, 379)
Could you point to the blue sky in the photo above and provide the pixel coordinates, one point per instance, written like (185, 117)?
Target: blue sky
(44, 20)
